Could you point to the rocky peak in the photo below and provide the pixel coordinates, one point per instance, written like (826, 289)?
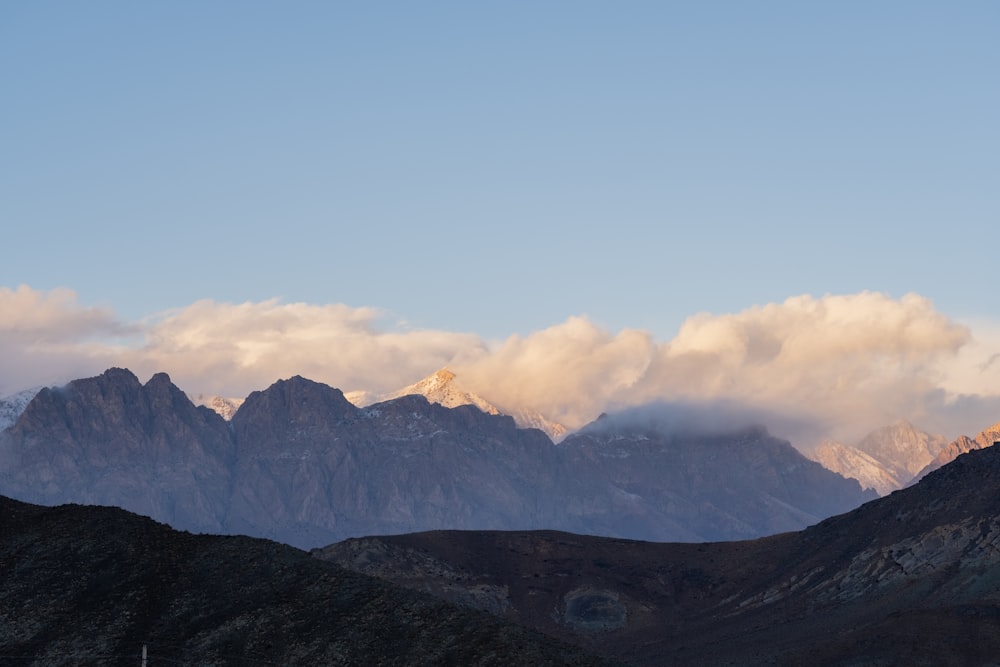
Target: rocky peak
(114, 413)
(902, 447)
(289, 410)
(11, 407)
(442, 387)
(852, 463)
(224, 407)
(961, 445)
(445, 388)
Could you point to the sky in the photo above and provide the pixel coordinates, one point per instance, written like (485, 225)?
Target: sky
(577, 205)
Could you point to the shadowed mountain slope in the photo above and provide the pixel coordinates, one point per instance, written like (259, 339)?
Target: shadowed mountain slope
(91, 585)
(300, 464)
(913, 578)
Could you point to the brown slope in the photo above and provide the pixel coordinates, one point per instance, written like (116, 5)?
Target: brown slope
(91, 585)
(913, 578)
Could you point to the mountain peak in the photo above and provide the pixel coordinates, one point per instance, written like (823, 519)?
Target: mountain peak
(444, 375)
(443, 387)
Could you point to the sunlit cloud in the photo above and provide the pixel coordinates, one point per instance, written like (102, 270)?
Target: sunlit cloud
(47, 337)
(841, 364)
(570, 371)
(233, 349)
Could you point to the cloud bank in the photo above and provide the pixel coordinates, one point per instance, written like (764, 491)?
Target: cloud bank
(841, 363)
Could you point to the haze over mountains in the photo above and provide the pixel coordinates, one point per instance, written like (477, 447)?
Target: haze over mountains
(301, 464)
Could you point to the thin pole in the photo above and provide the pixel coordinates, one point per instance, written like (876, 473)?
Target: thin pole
(143, 655)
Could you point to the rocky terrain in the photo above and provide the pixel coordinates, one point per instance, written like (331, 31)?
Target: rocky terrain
(225, 407)
(913, 578)
(300, 464)
(93, 585)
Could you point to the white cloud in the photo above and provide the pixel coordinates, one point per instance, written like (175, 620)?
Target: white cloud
(233, 349)
(570, 371)
(845, 362)
(39, 318)
(48, 338)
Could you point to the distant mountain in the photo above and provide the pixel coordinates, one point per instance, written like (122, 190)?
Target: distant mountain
(902, 447)
(224, 407)
(444, 388)
(910, 579)
(730, 484)
(111, 440)
(12, 406)
(886, 459)
(300, 464)
(962, 445)
(853, 463)
(94, 585)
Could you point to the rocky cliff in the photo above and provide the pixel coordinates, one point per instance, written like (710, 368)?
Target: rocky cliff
(111, 440)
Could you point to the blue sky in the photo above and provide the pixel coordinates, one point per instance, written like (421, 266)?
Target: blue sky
(495, 169)
(393, 187)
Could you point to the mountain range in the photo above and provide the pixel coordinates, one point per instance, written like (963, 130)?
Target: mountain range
(899, 455)
(886, 459)
(912, 578)
(300, 464)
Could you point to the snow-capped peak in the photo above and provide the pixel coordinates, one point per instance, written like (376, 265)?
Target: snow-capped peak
(445, 388)
(12, 406)
(226, 407)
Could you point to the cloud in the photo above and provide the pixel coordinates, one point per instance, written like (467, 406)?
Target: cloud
(569, 372)
(34, 317)
(49, 338)
(234, 349)
(847, 359)
(836, 365)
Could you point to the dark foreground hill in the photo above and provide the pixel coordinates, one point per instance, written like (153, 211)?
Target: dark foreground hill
(302, 465)
(910, 579)
(90, 585)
